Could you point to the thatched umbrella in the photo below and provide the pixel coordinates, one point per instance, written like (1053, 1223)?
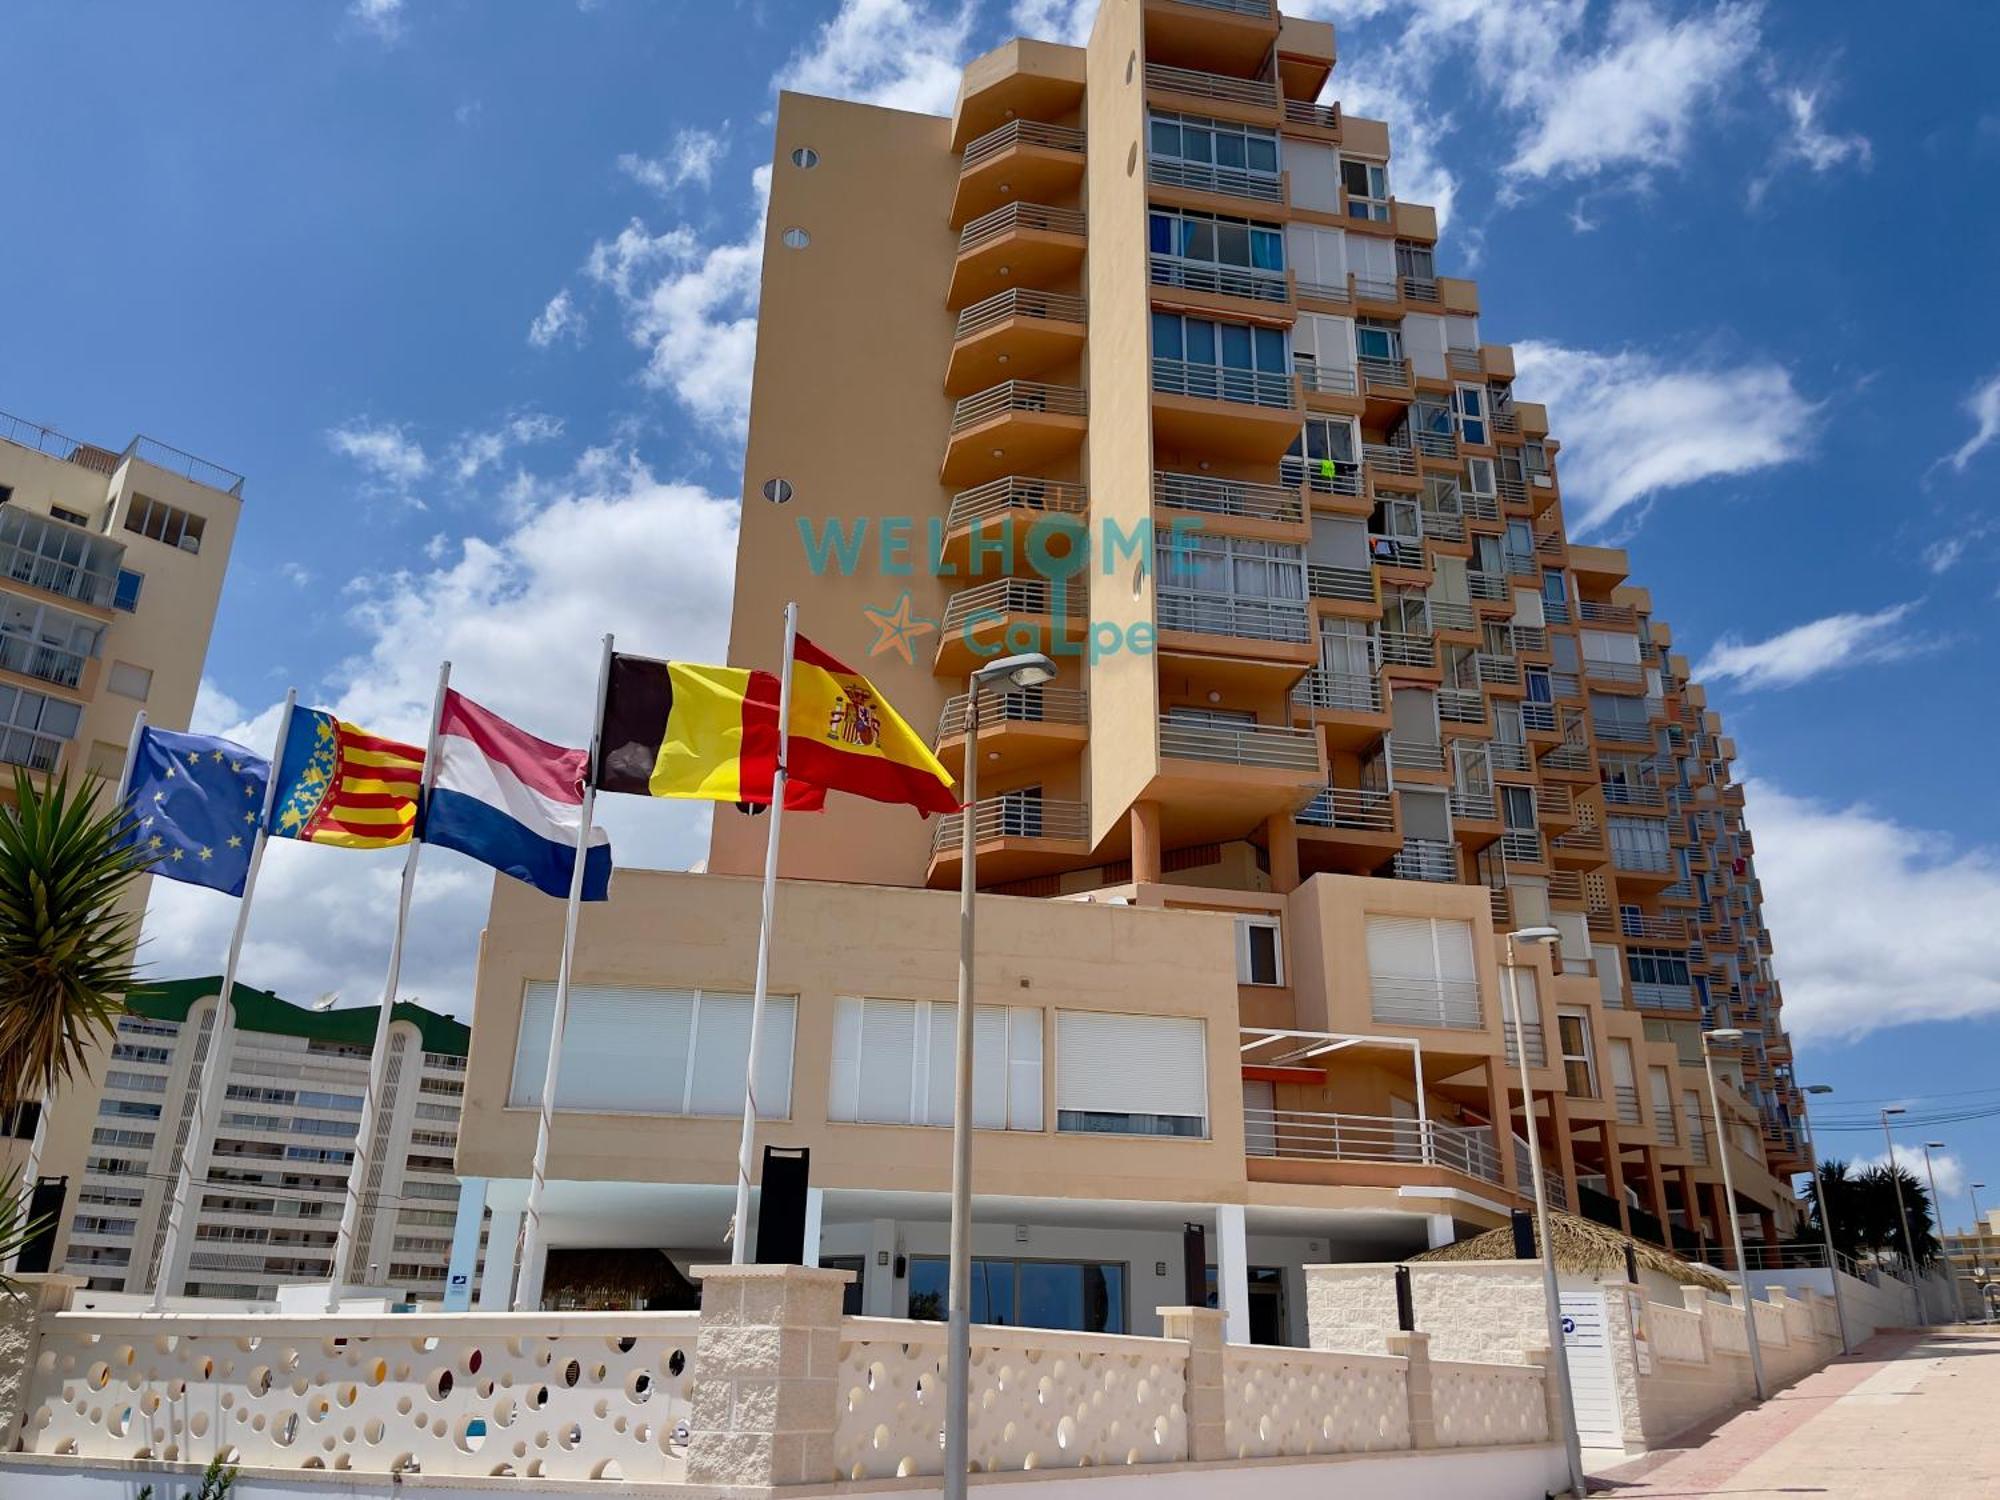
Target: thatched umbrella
(1584, 1247)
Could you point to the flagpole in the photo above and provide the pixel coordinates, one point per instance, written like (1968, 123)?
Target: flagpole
(528, 1282)
(208, 1088)
(739, 1246)
(378, 1060)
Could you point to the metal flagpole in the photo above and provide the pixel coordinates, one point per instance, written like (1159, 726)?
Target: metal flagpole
(378, 1060)
(31, 1168)
(739, 1244)
(208, 1090)
(528, 1280)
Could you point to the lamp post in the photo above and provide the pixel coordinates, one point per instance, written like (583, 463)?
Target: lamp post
(1025, 671)
(1708, 1039)
(1902, 1212)
(1979, 1254)
(1551, 1296)
(1937, 1212)
(1825, 1215)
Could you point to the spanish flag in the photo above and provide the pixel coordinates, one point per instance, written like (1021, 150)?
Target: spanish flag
(675, 729)
(338, 784)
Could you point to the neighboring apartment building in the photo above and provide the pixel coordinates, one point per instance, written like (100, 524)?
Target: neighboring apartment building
(1340, 701)
(1974, 1257)
(270, 1187)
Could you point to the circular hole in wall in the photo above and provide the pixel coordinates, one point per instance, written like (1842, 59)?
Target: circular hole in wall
(804, 158)
(778, 491)
(795, 238)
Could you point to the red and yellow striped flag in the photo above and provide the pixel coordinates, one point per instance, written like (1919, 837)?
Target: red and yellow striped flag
(340, 785)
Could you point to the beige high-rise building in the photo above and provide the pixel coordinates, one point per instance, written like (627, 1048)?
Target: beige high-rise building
(1138, 360)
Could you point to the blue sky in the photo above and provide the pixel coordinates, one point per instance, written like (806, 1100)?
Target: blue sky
(468, 293)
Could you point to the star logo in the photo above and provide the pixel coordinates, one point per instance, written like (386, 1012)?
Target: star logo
(171, 773)
(216, 757)
(898, 629)
(179, 854)
(206, 853)
(249, 789)
(236, 841)
(154, 842)
(249, 817)
(194, 757)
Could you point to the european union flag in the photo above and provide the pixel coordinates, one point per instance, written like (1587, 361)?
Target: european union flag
(195, 802)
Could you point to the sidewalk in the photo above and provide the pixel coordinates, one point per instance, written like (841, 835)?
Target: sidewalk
(1909, 1415)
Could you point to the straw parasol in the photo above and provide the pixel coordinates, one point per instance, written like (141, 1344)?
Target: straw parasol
(1584, 1247)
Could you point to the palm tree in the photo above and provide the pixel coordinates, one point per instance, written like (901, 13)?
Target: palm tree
(66, 947)
(1865, 1219)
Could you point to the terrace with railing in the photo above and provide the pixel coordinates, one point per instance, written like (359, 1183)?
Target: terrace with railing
(1183, 377)
(1355, 585)
(1015, 133)
(1277, 747)
(1314, 1136)
(1237, 498)
(1019, 302)
(1017, 495)
(1014, 816)
(1260, 93)
(1037, 705)
(1299, 112)
(1227, 281)
(1014, 218)
(1359, 809)
(1339, 692)
(1203, 613)
(1426, 859)
(1012, 397)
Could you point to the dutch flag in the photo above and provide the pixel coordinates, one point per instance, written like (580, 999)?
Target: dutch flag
(512, 801)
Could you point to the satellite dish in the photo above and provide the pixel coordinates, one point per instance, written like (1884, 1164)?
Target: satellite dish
(327, 1001)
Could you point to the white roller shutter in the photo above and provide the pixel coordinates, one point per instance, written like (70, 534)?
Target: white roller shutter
(894, 1062)
(1610, 645)
(1315, 173)
(1423, 341)
(1374, 259)
(1131, 1065)
(1461, 332)
(1422, 971)
(722, 1056)
(1528, 611)
(888, 1062)
(1317, 255)
(1610, 967)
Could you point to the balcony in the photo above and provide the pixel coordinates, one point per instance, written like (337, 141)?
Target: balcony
(1023, 160)
(1632, 794)
(1316, 379)
(1461, 705)
(1626, 1103)
(1018, 424)
(1448, 614)
(1368, 1141)
(1400, 649)
(89, 575)
(1254, 93)
(1653, 929)
(1391, 376)
(1197, 612)
(1531, 1033)
(1522, 846)
(1347, 705)
(1376, 290)
(979, 621)
(1323, 476)
(1232, 35)
(1643, 862)
(1620, 731)
(31, 658)
(1389, 459)
(1583, 846)
(1672, 999)
(1236, 499)
(1321, 116)
(1348, 585)
(1352, 809)
(988, 526)
(1434, 860)
(1217, 280)
(1018, 729)
(1249, 415)
(1020, 245)
(1474, 804)
(1019, 332)
(1206, 177)
(1269, 747)
(1618, 675)
(36, 752)
(1181, 377)
(1018, 837)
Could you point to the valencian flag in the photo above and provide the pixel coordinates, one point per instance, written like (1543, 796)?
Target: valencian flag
(340, 785)
(195, 801)
(675, 729)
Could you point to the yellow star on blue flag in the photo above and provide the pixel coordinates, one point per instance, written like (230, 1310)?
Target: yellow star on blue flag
(192, 789)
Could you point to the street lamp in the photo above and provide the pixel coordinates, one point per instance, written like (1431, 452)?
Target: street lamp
(1825, 1215)
(1937, 1211)
(1026, 671)
(1708, 1038)
(1559, 1359)
(1979, 1255)
(1902, 1213)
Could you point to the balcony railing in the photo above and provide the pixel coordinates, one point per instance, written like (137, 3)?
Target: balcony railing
(1275, 747)
(1356, 808)
(1438, 444)
(1384, 374)
(1592, 613)
(1643, 861)
(1445, 525)
(71, 580)
(1020, 133)
(1205, 177)
(1356, 585)
(1631, 794)
(1521, 845)
(1621, 731)
(1420, 289)
(1019, 302)
(1030, 396)
(1227, 281)
(1324, 291)
(1260, 9)
(1019, 216)
(1017, 492)
(1013, 816)
(1460, 361)
(1497, 671)
(1040, 705)
(1461, 705)
(1474, 802)
(1402, 650)
(1224, 614)
(1676, 998)
(1342, 692)
(1415, 755)
(1229, 497)
(1323, 476)
(1621, 673)
(1448, 614)
(34, 659)
(1323, 380)
(1255, 91)
(1326, 116)
(23, 747)
(1370, 1138)
(1014, 596)
(1426, 859)
(1506, 755)
(1180, 377)
(1538, 1051)
(1387, 458)
(1626, 1099)
(1634, 924)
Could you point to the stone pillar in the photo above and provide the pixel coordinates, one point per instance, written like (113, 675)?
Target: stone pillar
(1439, 1230)
(1695, 1299)
(496, 1283)
(465, 1243)
(1281, 840)
(1350, 1309)
(1552, 1401)
(878, 1287)
(1560, 1153)
(1500, 1107)
(1614, 1173)
(36, 1296)
(1232, 1272)
(1145, 819)
(1657, 1179)
(766, 1367)
(1207, 1415)
(1416, 1348)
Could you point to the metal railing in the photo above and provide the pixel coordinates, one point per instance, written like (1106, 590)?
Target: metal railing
(1020, 133)
(1448, 614)
(1227, 281)
(71, 580)
(1019, 302)
(1386, 458)
(1040, 705)
(1631, 794)
(1507, 755)
(1323, 476)
(1256, 91)
(1445, 526)
(1356, 808)
(1478, 507)
(1180, 377)
(1511, 489)
(1384, 374)
(1521, 845)
(1426, 859)
(1370, 1138)
(1580, 841)
(1474, 802)
(1271, 746)
(1675, 998)
(1637, 924)
(1540, 717)
(1395, 551)
(1438, 444)
(1013, 596)
(24, 747)
(1225, 614)
(1012, 816)
(1555, 610)
(1342, 692)
(1621, 731)
(1626, 1098)
(1324, 581)
(1538, 1051)
(1461, 705)
(46, 440)
(1205, 177)
(1374, 289)
(1261, 9)
(32, 658)
(1014, 217)
(1497, 671)
(1415, 755)
(1620, 673)
(1422, 289)
(1530, 638)
(1642, 861)
(1323, 380)
(1402, 650)
(997, 497)
(1326, 116)
(1463, 361)
(1323, 291)
(1593, 613)
(1229, 497)
(1030, 396)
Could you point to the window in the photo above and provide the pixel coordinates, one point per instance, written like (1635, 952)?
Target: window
(164, 523)
(1327, 453)
(1421, 972)
(34, 727)
(1472, 414)
(308, 1099)
(129, 1109)
(146, 1026)
(75, 518)
(127, 1052)
(894, 1063)
(138, 1083)
(1517, 807)
(103, 1136)
(1579, 1067)
(1086, 1296)
(1616, 717)
(1415, 260)
(1217, 155)
(1318, 256)
(126, 595)
(1234, 567)
(306, 1125)
(1259, 956)
(653, 1052)
(1131, 1075)
(1367, 185)
(1221, 361)
(1378, 339)
(1657, 966)
(1639, 844)
(1186, 234)
(128, 681)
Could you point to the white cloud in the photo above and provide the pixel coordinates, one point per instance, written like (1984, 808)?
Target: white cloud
(475, 451)
(1983, 406)
(1807, 144)
(901, 54)
(1066, 21)
(559, 319)
(1951, 1178)
(1876, 923)
(295, 573)
(1634, 427)
(1812, 649)
(690, 158)
(385, 450)
(520, 617)
(214, 710)
(383, 17)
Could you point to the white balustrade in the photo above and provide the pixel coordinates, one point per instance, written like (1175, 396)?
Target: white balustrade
(1478, 1406)
(1292, 1403)
(1728, 1328)
(1674, 1333)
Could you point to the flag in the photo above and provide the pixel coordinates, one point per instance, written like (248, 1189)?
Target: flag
(845, 737)
(675, 729)
(195, 801)
(512, 801)
(339, 784)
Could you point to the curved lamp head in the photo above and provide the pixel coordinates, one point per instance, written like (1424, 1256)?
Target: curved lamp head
(1723, 1034)
(1934, 1145)
(1534, 935)
(1979, 1184)
(1030, 669)
(1895, 1109)
(1819, 1088)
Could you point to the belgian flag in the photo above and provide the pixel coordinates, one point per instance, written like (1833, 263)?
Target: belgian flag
(677, 729)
